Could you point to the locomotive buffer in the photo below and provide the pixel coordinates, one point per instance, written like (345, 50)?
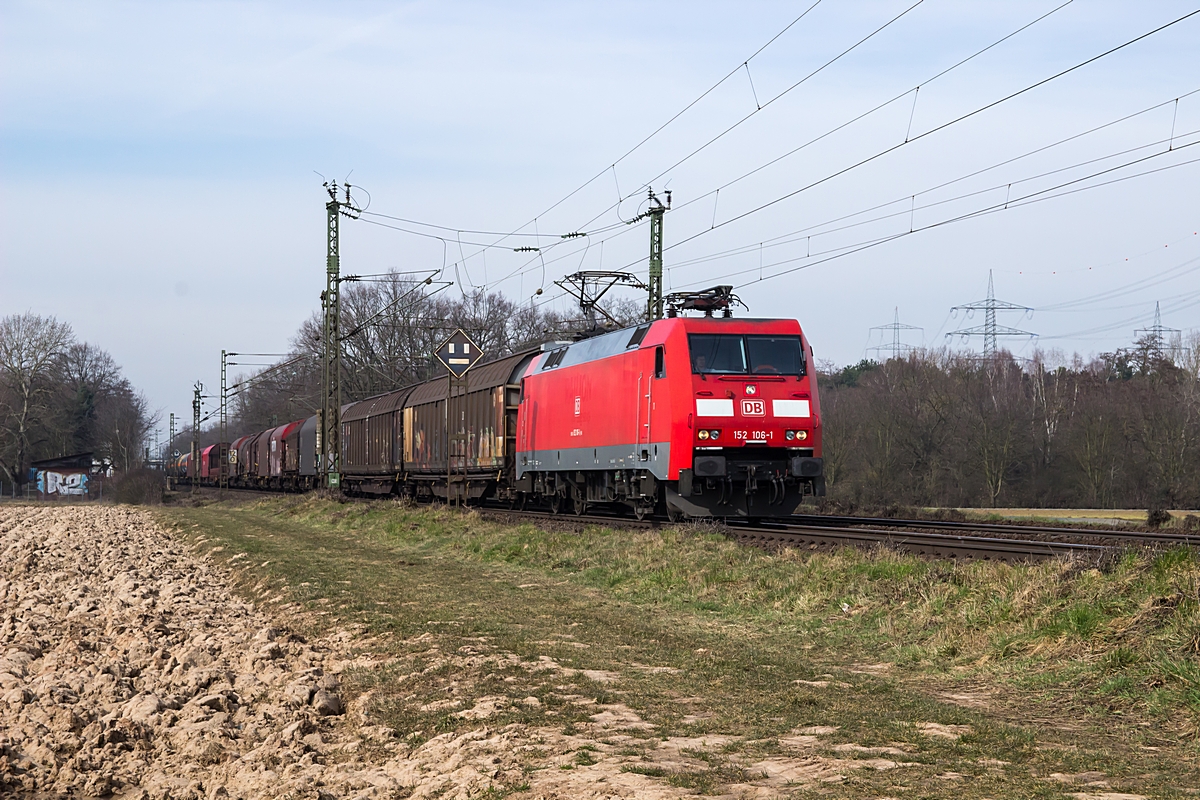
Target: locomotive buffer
(458, 354)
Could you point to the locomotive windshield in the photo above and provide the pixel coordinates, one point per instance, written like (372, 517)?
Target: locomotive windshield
(735, 354)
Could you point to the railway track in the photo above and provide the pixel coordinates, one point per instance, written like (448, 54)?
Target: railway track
(812, 532)
(1054, 533)
(785, 533)
(982, 541)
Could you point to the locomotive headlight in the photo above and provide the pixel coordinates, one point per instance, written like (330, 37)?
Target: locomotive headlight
(716, 434)
(790, 435)
(702, 435)
(801, 435)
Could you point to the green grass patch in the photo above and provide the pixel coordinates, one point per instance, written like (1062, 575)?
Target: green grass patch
(697, 636)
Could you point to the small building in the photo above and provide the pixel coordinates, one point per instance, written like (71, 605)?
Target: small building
(66, 476)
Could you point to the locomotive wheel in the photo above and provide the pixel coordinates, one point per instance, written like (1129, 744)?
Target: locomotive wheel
(640, 512)
(579, 507)
(556, 503)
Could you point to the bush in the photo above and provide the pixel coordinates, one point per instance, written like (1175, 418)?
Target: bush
(1157, 517)
(139, 487)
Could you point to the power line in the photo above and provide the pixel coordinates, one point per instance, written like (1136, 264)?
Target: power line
(524, 268)
(759, 107)
(1012, 204)
(843, 125)
(496, 244)
(815, 230)
(677, 115)
(738, 124)
(1176, 304)
(1184, 268)
(936, 129)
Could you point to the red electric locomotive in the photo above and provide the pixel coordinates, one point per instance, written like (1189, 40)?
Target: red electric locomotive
(710, 416)
(684, 416)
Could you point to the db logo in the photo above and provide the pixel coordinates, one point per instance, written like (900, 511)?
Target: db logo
(753, 408)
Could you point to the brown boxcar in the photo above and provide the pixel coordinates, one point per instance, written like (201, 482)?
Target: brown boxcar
(372, 458)
(483, 428)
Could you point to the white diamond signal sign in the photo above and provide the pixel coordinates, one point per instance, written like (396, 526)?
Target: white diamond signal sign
(458, 353)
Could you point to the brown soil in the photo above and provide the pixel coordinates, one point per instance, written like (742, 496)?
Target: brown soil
(129, 669)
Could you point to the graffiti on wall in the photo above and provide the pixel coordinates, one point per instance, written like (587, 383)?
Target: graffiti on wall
(72, 483)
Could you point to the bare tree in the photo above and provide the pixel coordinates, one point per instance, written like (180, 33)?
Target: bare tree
(30, 348)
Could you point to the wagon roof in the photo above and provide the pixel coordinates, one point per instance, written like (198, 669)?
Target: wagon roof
(285, 429)
(485, 376)
(379, 404)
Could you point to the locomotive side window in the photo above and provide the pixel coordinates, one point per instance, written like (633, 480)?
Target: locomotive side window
(660, 362)
(718, 353)
(775, 355)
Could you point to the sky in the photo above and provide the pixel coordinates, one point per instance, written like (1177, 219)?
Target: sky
(162, 163)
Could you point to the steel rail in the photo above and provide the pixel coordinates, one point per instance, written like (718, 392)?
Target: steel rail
(994, 527)
(838, 531)
(985, 548)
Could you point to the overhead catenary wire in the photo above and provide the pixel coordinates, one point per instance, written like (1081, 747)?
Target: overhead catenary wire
(821, 229)
(1029, 199)
(974, 173)
(914, 91)
(931, 131)
(539, 259)
(672, 119)
(762, 106)
(611, 167)
(944, 71)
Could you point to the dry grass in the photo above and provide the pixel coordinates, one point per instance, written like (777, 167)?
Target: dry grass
(1053, 668)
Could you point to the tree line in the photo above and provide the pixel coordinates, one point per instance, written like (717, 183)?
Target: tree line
(938, 428)
(60, 396)
(935, 428)
(390, 328)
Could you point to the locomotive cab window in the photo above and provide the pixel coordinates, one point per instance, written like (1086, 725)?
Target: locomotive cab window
(775, 355)
(660, 362)
(734, 354)
(720, 354)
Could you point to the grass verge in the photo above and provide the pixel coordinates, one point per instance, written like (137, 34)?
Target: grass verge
(940, 679)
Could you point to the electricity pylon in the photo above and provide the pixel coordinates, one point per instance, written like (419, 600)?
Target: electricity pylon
(990, 330)
(1155, 332)
(897, 347)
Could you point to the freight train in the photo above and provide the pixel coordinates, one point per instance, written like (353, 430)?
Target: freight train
(709, 416)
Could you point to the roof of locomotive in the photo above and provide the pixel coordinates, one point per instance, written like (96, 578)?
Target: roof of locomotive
(618, 341)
